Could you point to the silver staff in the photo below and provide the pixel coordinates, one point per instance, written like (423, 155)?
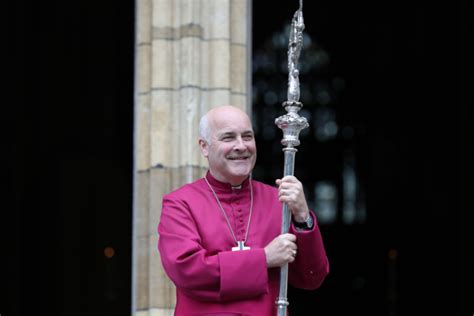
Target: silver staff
(291, 124)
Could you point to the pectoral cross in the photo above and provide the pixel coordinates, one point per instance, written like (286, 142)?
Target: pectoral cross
(240, 246)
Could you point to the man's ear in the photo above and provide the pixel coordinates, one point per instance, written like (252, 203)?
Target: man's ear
(204, 147)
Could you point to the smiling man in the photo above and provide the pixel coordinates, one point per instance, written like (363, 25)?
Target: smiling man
(219, 237)
(227, 141)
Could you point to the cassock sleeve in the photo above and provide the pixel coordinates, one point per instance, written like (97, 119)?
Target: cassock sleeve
(228, 275)
(311, 265)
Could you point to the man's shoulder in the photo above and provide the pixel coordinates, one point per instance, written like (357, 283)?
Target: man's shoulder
(263, 186)
(186, 190)
(200, 186)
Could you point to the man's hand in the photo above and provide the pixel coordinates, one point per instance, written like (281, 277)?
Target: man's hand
(281, 250)
(290, 191)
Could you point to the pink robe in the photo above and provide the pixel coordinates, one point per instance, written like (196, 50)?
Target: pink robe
(195, 247)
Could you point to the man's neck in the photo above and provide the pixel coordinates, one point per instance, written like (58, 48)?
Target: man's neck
(234, 183)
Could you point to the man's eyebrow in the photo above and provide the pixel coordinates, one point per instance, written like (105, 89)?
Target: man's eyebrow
(224, 134)
(227, 134)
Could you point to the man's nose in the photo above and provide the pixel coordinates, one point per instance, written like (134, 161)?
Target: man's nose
(239, 144)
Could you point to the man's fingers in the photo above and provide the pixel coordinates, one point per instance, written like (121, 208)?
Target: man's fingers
(289, 237)
(291, 179)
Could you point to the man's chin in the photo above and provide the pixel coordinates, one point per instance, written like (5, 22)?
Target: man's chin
(240, 169)
(241, 173)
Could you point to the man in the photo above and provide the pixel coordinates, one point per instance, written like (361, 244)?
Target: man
(219, 237)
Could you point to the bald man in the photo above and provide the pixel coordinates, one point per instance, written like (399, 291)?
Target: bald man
(219, 237)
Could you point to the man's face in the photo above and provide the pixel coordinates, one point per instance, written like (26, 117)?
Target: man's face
(232, 152)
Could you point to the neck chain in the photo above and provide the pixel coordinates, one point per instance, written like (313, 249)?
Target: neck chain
(240, 243)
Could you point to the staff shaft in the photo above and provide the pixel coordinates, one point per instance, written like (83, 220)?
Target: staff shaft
(289, 168)
(291, 124)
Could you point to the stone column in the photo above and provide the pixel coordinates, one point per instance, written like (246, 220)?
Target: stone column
(191, 55)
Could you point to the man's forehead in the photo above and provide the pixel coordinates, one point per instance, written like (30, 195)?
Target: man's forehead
(234, 131)
(229, 125)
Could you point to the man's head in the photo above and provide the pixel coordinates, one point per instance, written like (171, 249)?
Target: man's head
(227, 141)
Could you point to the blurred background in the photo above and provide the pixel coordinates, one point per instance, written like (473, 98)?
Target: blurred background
(386, 162)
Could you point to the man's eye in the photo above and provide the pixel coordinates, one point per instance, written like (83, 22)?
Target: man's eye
(248, 137)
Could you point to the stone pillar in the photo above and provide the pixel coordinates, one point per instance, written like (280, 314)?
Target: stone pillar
(191, 55)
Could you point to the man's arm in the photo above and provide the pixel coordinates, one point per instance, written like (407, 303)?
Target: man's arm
(310, 266)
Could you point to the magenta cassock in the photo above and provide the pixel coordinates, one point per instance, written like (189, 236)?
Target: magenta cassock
(195, 245)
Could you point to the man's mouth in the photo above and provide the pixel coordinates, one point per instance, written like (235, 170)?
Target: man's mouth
(239, 158)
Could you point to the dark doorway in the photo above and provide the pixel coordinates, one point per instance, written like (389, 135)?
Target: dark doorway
(387, 159)
(68, 149)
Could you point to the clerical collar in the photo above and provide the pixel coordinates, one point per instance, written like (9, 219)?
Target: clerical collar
(226, 186)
